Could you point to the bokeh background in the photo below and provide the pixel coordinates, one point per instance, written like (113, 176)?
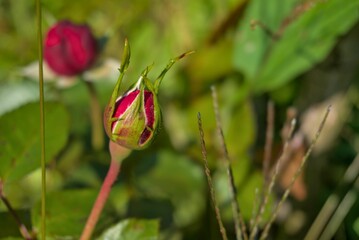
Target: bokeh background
(301, 55)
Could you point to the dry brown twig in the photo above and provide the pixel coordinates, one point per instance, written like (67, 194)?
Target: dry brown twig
(22, 228)
(269, 188)
(297, 11)
(209, 180)
(239, 223)
(268, 143)
(297, 173)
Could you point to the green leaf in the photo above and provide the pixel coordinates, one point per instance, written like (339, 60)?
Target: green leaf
(67, 212)
(251, 44)
(269, 63)
(20, 138)
(13, 95)
(170, 176)
(25, 192)
(131, 229)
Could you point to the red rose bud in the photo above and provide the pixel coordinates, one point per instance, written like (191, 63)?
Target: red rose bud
(132, 119)
(70, 49)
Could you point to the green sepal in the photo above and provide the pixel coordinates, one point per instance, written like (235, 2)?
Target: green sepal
(116, 92)
(168, 67)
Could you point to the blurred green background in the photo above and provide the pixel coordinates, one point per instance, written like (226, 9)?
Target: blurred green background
(302, 55)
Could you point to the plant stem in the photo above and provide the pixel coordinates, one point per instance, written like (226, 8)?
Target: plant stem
(97, 135)
(101, 199)
(118, 153)
(42, 119)
(23, 230)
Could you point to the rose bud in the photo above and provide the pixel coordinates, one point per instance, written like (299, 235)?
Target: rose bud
(132, 119)
(69, 49)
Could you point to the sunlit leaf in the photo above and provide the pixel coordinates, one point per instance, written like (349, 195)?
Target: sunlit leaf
(13, 95)
(269, 63)
(25, 192)
(131, 229)
(251, 44)
(20, 138)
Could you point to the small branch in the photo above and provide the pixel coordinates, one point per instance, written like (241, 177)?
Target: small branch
(97, 135)
(257, 23)
(118, 153)
(268, 144)
(295, 14)
(272, 180)
(297, 173)
(209, 180)
(240, 226)
(286, 134)
(23, 230)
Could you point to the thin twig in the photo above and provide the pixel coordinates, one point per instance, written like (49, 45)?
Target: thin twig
(297, 173)
(273, 35)
(332, 202)
(42, 118)
(209, 179)
(240, 225)
(269, 189)
(300, 9)
(295, 14)
(23, 230)
(285, 132)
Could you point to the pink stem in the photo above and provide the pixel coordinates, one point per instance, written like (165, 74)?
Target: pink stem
(101, 199)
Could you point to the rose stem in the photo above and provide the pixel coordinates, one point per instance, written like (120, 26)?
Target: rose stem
(23, 230)
(97, 136)
(118, 153)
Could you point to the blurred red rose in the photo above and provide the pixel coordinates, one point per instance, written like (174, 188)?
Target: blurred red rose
(70, 49)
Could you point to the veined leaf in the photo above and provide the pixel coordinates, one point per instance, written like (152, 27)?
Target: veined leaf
(268, 63)
(20, 138)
